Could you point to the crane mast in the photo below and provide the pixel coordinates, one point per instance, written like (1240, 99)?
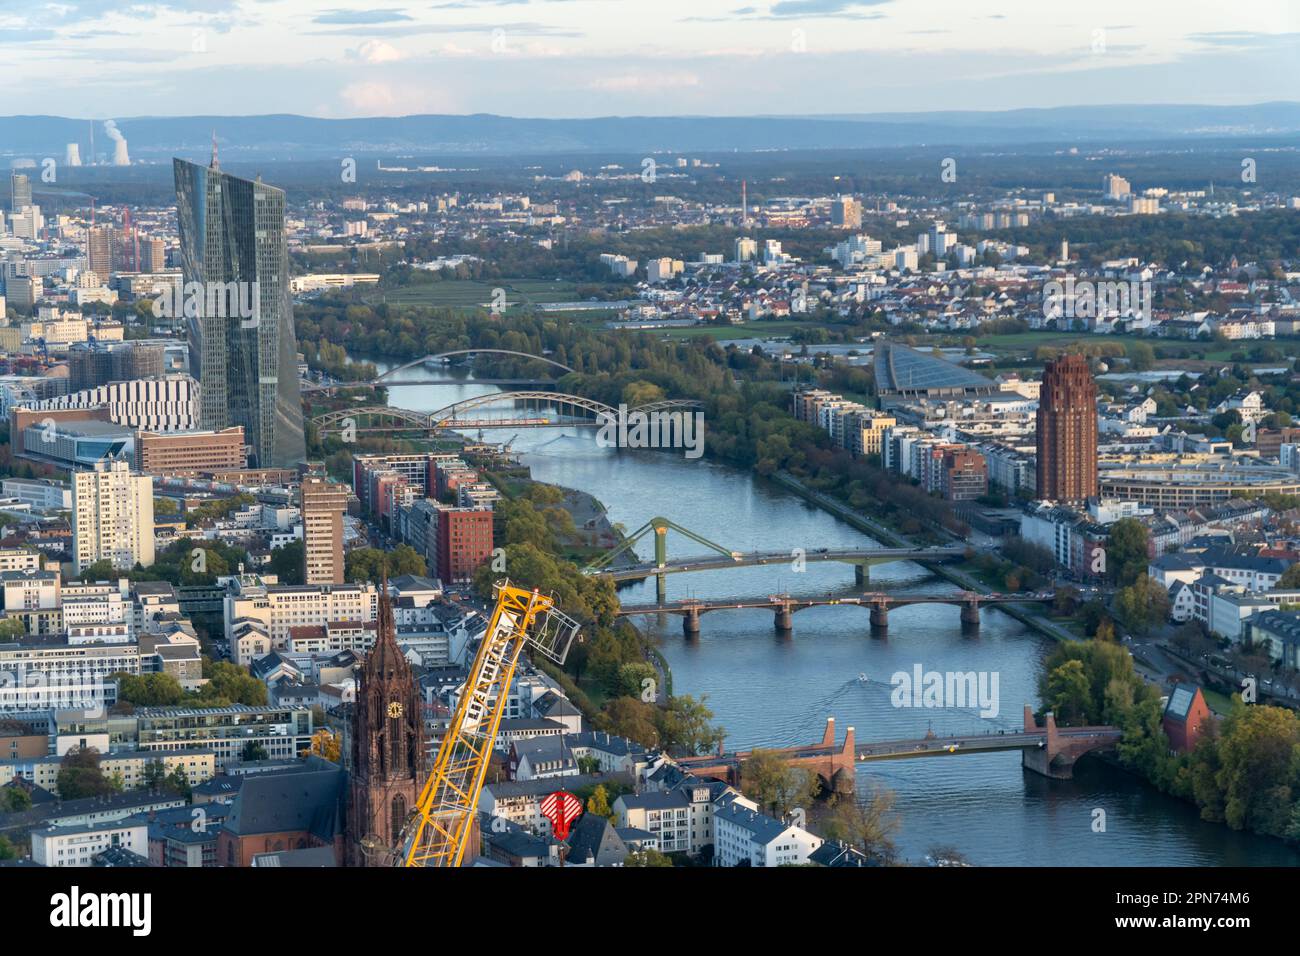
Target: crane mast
(440, 829)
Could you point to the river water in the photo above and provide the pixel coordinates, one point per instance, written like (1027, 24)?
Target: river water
(769, 689)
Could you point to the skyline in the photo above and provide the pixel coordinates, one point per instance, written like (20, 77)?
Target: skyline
(574, 58)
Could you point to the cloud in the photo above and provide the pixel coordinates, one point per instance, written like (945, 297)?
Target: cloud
(352, 17)
(1244, 39)
(640, 82)
(98, 9)
(824, 8)
(371, 98)
(417, 29)
(376, 51)
(24, 35)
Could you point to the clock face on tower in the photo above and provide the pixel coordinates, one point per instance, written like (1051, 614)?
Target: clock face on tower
(395, 709)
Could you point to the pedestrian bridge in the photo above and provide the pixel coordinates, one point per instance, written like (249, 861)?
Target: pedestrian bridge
(1046, 749)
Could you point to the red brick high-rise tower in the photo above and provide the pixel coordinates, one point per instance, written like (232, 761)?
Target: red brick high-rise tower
(1067, 431)
(387, 746)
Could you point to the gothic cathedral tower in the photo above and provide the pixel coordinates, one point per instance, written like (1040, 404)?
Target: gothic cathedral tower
(387, 746)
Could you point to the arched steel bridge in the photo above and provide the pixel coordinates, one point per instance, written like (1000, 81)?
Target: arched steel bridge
(443, 355)
(384, 418)
(386, 378)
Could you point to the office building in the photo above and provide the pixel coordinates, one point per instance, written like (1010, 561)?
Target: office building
(846, 213)
(22, 292)
(1116, 187)
(323, 505)
(153, 255)
(112, 516)
(1067, 431)
(99, 363)
(464, 537)
(99, 251)
(170, 403)
(232, 240)
(187, 454)
(20, 192)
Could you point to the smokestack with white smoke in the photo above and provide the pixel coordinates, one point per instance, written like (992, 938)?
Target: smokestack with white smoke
(120, 155)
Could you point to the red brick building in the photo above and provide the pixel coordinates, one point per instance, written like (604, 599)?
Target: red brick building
(1067, 431)
(1187, 717)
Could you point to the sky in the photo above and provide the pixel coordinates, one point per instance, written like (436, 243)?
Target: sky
(582, 58)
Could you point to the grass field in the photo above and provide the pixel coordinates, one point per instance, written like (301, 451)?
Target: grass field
(475, 294)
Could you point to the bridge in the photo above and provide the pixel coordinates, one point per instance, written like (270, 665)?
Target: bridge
(1047, 750)
(784, 606)
(582, 412)
(860, 558)
(387, 377)
(723, 557)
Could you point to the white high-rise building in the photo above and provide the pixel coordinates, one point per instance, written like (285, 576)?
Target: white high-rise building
(112, 516)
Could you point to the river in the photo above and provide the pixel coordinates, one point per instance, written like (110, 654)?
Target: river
(772, 690)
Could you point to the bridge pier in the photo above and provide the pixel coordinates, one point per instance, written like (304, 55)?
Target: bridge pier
(879, 617)
(661, 589)
(970, 616)
(691, 624)
(784, 619)
(1058, 755)
(861, 574)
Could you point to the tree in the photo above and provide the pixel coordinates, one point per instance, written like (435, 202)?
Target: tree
(1127, 550)
(14, 799)
(229, 684)
(287, 562)
(178, 781)
(80, 775)
(598, 804)
(1256, 768)
(253, 751)
(641, 858)
(1142, 605)
(1065, 602)
(371, 564)
(1140, 355)
(631, 718)
(774, 785)
(869, 825)
(1290, 578)
(11, 628)
(155, 773)
(685, 728)
(149, 690)
(1068, 693)
(325, 743)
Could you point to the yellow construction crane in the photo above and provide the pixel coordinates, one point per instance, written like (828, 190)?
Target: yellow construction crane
(440, 829)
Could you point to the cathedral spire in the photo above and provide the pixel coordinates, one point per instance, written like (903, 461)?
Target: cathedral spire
(386, 657)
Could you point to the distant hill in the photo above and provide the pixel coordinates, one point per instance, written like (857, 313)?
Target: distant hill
(300, 137)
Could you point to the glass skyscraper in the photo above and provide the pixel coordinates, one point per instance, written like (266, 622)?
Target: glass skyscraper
(238, 310)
